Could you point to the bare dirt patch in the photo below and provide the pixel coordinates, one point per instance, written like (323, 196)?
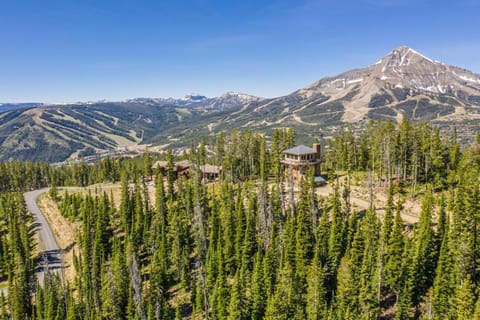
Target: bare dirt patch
(111, 189)
(359, 199)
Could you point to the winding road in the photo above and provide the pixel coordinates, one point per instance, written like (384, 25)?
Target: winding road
(49, 257)
(50, 254)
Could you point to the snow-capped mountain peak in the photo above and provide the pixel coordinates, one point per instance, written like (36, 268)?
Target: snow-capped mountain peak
(194, 97)
(403, 67)
(403, 83)
(404, 56)
(227, 100)
(239, 95)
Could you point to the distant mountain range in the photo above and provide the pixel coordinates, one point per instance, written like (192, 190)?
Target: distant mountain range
(12, 106)
(226, 101)
(403, 84)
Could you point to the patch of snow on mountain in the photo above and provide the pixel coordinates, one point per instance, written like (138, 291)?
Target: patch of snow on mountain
(354, 81)
(402, 59)
(239, 95)
(469, 79)
(421, 55)
(429, 88)
(336, 80)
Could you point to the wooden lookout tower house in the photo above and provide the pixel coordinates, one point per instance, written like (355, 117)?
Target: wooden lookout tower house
(298, 159)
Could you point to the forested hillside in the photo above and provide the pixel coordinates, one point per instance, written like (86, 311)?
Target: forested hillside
(250, 245)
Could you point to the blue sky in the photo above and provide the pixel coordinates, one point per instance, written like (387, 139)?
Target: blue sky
(79, 50)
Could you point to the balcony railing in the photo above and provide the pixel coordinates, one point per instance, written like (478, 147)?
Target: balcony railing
(294, 162)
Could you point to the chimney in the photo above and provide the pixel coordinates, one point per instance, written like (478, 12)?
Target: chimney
(318, 150)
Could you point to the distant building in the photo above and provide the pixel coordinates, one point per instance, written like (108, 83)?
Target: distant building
(180, 168)
(210, 172)
(183, 168)
(298, 159)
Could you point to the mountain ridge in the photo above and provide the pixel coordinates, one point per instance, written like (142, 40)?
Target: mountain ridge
(194, 100)
(402, 84)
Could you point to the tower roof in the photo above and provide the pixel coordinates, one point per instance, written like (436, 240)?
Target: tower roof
(299, 150)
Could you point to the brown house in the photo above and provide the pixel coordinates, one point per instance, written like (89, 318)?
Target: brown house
(210, 172)
(180, 168)
(298, 159)
(183, 168)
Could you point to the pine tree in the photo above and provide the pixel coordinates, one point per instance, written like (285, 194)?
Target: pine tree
(270, 265)
(476, 314)
(158, 286)
(347, 287)
(370, 273)
(465, 300)
(393, 253)
(303, 238)
(258, 292)
(72, 310)
(443, 284)
(220, 294)
(125, 210)
(316, 294)
(336, 237)
(424, 256)
(280, 305)
(170, 175)
(237, 306)
(117, 285)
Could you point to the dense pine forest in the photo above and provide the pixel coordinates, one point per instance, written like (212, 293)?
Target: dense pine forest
(250, 245)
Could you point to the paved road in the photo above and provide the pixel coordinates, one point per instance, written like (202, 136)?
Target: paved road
(49, 257)
(50, 254)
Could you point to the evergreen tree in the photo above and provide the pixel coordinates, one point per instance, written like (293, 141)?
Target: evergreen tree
(258, 293)
(280, 305)
(237, 306)
(393, 253)
(465, 300)
(316, 294)
(444, 282)
(424, 256)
